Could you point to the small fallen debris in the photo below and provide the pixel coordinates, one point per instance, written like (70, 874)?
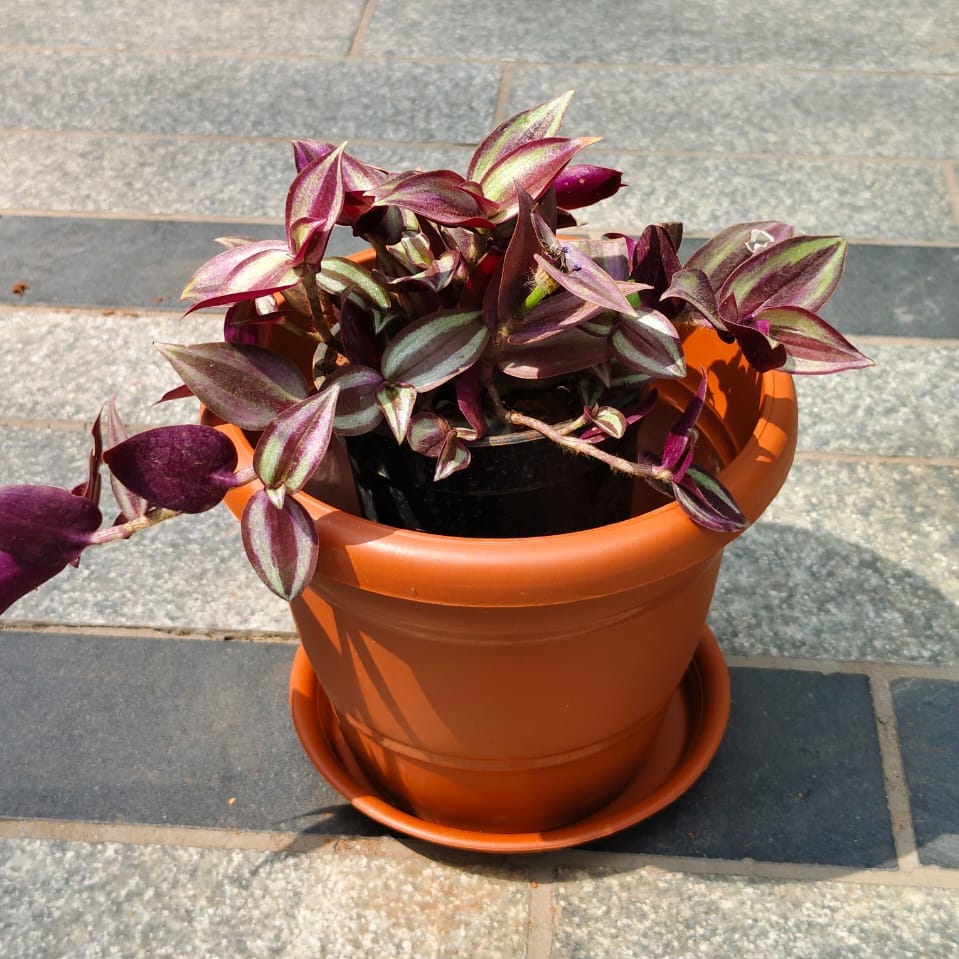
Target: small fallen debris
(18, 289)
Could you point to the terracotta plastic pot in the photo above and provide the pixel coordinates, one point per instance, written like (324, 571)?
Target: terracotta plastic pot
(515, 685)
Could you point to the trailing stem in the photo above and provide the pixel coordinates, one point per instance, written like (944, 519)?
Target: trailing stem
(561, 438)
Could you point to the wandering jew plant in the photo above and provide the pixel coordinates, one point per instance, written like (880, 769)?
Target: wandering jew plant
(472, 292)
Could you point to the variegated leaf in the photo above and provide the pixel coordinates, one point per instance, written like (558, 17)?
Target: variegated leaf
(435, 348)
(707, 502)
(313, 206)
(397, 404)
(437, 195)
(719, 256)
(692, 287)
(811, 344)
(357, 409)
(584, 278)
(292, 447)
(648, 343)
(242, 384)
(537, 123)
(802, 271)
(281, 543)
(533, 166)
(242, 273)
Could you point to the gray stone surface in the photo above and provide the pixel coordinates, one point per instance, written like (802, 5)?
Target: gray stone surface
(87, 901)
(246, 96)
(652, 914)
(87, 261)
(797, 778)
(913, 35)
(886, 290)
(852, 561)
(92, 172)
(243, 26)
(157, 731)
(68, 363)
(899, 291)
(857, 198)
(745, 111)
(905, 405)
(926, 712)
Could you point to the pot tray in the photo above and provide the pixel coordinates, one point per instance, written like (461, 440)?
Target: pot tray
(694, 724)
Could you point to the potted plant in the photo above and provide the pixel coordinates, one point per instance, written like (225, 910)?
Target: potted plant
(491, 466)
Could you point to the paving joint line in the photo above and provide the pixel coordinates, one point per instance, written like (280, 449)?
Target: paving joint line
(542, 912)
(952, 188)
(507, 70)
(537, 866)
(149, 632)
(897, 790)
(359, 34)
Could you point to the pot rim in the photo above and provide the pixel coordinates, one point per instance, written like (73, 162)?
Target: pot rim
(544, 570)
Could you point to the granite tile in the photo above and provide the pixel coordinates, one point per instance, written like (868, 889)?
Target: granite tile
(774, 34)
(89, 172)
(899, 291)
(886, 290)
(853, 561)
(87, 900)
(67, 364)
(157, 731)
(190, 573)
(245, 96)
(798, 778)
(747, 111)
(926, 712)
(183, 25)
(653, 914)
(117, 262)
(901, 202)
(905, 405)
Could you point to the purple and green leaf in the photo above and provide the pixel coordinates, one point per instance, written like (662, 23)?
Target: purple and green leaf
(292, 447)
(281, 543)
(242, 384)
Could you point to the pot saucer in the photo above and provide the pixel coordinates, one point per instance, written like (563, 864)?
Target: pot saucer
(694, 724)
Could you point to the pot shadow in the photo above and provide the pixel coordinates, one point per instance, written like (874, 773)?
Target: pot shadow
(798, 777)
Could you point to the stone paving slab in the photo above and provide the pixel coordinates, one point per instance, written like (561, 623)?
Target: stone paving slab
(87, 261)
(245, 96)
(744, 111)
(220, 177)
(852, 561)
(652, 914)
(797, 778)
(144, 264)
(88, 901)
(185, 25)
(849, 34)
(819, 195)
(926, 712)
(196, 733)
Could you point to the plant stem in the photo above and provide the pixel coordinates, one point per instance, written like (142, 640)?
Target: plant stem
(560, 437)
(316, 306)
(125, 530)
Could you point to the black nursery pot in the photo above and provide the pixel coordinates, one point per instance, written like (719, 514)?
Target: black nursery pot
(516, 485)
